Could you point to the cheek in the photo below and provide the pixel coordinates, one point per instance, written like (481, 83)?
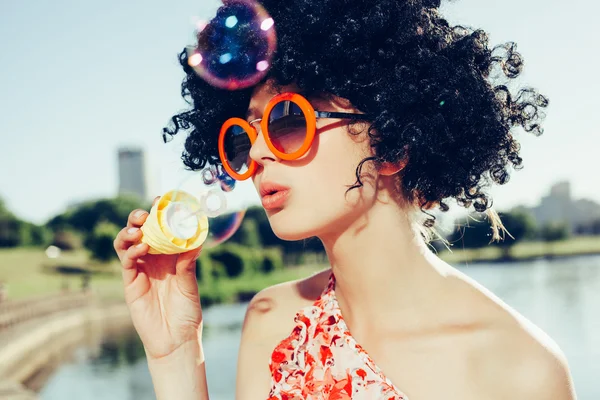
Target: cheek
(333, 170)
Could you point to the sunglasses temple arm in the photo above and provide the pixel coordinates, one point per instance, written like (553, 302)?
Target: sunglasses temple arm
(330, 114)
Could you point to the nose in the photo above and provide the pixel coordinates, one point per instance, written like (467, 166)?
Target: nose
(259, 151)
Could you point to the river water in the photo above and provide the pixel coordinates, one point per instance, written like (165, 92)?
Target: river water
(561, 296)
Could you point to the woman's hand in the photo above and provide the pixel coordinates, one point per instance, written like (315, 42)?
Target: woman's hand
(160, 290)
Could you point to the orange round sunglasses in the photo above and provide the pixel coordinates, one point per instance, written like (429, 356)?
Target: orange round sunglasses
(289, 127)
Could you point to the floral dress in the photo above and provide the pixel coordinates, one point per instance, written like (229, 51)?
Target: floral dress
(321, 360)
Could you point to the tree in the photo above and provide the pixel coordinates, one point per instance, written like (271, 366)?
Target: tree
(41, 236)
(100, 242)
(472, 232)
(591, 227)
(475, 231)
(10, 227)
(67, 239)
(520, 226)
(86, 216)
(554, 231)
(116, 211)
(16, 232)
(10, 231)
(247, 234)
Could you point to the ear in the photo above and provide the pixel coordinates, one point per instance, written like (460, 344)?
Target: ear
(389, 169)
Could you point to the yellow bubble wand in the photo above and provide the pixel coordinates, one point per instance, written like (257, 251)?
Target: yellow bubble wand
(178, 221)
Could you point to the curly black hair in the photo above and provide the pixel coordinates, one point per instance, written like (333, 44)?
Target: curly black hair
(438, 94)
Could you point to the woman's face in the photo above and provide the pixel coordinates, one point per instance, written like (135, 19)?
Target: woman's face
(316, 203)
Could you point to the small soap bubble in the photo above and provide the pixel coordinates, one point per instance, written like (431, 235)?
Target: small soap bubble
(235, 49)
(228, 185)
(227, 182)
(209, 176)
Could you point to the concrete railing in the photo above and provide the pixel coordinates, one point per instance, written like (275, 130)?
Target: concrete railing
(36, 333)
(32, 349)
(14, 312)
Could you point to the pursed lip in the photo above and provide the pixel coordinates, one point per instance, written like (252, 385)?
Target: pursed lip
(268, 187)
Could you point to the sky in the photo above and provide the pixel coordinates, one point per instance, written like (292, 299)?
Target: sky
(79, 79)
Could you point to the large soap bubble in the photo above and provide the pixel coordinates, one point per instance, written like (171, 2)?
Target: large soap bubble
(235, 49)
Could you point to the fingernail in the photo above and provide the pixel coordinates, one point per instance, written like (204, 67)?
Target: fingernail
(139, 245)
(139, 213)
(132, 230)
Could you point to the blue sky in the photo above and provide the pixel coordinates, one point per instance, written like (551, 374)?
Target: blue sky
(78, 79)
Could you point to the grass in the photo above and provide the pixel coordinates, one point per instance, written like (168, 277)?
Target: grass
(232, 290)
(28, 272)
(526, 250)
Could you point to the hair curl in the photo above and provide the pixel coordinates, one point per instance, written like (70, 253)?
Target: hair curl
(438, 94)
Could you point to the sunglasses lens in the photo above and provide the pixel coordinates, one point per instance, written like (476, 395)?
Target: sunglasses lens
(237, 148)
(287, 127)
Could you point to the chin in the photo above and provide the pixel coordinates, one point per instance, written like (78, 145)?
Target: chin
(290, 228)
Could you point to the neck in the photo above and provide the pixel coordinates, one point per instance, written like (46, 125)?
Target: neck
(383, 268)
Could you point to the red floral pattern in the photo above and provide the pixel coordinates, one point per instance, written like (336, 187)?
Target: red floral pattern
(321, 360)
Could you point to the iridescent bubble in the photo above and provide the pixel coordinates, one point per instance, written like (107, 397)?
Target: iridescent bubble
(223, 227)
(227, 182)
(209, 176)
(235, 49)
(201, 194)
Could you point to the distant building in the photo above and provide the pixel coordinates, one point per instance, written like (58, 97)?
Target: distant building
(132, 173)
(559, 207)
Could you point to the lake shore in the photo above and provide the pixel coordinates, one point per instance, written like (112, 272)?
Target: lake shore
(30, 351)
(33, 276)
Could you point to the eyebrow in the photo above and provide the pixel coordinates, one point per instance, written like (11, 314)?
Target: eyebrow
(250, 112)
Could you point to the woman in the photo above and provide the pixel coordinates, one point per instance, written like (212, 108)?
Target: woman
(419, 123)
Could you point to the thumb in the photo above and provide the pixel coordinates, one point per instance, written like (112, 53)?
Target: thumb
(185, 269)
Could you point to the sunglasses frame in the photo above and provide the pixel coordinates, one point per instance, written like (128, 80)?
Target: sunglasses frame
(310, 114)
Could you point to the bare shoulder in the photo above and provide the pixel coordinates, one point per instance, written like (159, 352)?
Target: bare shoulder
(269, 319)
(275, 303)
(531, 363)
(515, 358)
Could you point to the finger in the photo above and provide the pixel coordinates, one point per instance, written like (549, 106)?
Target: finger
(130, 260)
(186, 262)
(186, 271)
(137, 218)
(126, 237)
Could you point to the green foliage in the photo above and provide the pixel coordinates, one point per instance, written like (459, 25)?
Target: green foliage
(553, 232)
(34, 235)
(86, 216)
(520, 225)
(272, 260)
(471, 233)
(263, 226)
(10, 231)
(98, 221)
(475, 231)
(248, 234)
(15, 232)
(201, 265)
(232, 261)
(100, 242)
(67, 240)
(235, 259)
(591, 227)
